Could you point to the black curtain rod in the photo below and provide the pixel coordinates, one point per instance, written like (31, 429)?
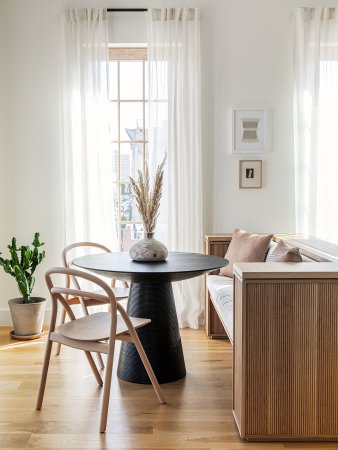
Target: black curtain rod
(127, 9)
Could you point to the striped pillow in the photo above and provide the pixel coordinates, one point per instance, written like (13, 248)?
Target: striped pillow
(283, 253)
(245, 247)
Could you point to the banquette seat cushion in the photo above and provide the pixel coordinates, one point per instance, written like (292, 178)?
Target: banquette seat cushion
(221, 293)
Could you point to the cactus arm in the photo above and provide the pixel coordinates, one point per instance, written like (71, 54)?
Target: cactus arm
(13, 250)
(23, 283)
(5, 263)
(31, 284)
(37, 256)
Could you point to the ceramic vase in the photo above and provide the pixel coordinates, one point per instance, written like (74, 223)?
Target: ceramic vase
(148, 249)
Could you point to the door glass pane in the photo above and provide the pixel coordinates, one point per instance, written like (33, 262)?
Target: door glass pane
(114, 127)
(146, 121)
(113, 82)
(146, 87)
(128, 209)
(115, 156)
(131, 80)
(130, 233)
(131, 160)
(116, 202)
(146, 154)
(131, 116)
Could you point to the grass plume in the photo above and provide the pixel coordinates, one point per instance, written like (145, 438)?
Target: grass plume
(147, 200)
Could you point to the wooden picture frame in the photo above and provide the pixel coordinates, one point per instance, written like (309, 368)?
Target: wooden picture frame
(250, 174)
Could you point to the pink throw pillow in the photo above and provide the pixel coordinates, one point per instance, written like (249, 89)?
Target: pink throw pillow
(245, 247)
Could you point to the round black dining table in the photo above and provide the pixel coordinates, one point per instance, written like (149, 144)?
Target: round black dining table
(151, 296)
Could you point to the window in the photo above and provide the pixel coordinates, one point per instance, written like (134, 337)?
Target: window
(129, 106)
(327, 159)
(316, 136)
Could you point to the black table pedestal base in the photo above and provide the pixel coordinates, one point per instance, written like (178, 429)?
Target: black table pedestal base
(161, 339)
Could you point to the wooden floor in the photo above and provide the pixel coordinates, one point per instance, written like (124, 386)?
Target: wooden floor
(197, 416)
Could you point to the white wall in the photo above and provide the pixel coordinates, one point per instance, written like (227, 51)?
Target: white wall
(246, 62)
(31, 147)
(3, 179)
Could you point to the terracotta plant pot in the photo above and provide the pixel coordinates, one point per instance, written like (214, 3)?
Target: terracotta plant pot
(27, 317)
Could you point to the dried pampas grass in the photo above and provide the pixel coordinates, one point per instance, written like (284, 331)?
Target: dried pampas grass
(148, 201)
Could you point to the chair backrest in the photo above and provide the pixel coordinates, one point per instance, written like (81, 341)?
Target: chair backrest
(59, 293)
(67, 260)
(81, 248)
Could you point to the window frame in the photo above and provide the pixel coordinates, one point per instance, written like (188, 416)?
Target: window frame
(120, 54)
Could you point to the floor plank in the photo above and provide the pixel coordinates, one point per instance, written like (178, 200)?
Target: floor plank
(198, 414)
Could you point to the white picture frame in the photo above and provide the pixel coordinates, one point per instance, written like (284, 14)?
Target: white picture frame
(250, 174)
(249, 130)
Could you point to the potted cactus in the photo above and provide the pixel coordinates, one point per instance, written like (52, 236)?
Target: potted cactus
(27, 312)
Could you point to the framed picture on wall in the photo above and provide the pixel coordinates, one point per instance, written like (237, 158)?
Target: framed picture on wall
(250, 174)
(249, 130)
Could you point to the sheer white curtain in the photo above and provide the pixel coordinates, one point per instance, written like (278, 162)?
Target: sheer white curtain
(89, 199)
(316, 112)
(174, 128)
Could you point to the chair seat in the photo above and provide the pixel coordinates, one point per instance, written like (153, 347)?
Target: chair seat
(96, 327)
(121, 292)
(88, 301)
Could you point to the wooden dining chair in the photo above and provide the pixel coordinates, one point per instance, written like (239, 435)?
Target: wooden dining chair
(93, 333)
(120, 292)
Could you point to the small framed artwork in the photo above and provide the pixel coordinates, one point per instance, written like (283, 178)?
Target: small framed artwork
(249, 130)
(250, 174)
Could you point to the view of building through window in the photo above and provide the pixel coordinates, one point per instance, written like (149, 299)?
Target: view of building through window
(129, 106)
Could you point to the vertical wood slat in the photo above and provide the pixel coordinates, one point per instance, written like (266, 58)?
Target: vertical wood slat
(286, 359)
(239, 366)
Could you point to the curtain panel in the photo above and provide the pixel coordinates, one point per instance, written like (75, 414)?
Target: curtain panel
(175, 129)
(315, 121)
(89, 211)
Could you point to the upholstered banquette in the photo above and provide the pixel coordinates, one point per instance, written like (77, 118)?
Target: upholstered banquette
(281, 318)
(219, 288)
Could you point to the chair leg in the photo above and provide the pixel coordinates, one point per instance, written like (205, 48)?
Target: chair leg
(106, 388)
(148, 367)
(62, 321)
(100, 361)
(98, 355)
(44, 374)
(94, 368)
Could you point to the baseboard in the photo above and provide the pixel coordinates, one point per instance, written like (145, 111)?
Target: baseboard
(6, 320)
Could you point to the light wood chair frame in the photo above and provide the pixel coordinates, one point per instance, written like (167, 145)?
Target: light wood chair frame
(58, 295)
(86, 302)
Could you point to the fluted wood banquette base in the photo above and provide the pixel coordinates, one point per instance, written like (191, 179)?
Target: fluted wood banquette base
(286, 351)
